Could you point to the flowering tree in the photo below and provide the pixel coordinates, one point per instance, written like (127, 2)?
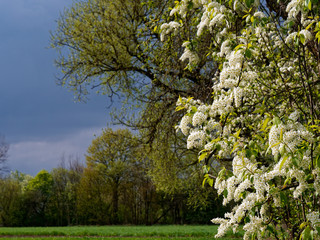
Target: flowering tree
(262, 126)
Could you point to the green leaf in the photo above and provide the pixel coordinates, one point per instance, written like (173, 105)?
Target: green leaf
(253, 236)
(249, 3)
(248, 153)
(283, 161)
(179, 108)
(276, 121)
(276, 144)
(238, 47)
(308, 4)
(306, 234)
(207, 179)
(248, 53)
(225, 193)
(204, 182)
(309, 26)
(265, 124)
(203, 156)
(237, 133)
(189, 99)
(230, 3)
(193, 109)
(235, 146)
(287, 181)
(318, 161)
(302, 225)
(318, 36)
(295, 162)
(245, 16)
(210, 181)
(302, 38)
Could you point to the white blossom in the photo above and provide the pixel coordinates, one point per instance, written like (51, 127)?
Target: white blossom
(198, 118)
(293, 8)
(307, 35)
(259, 14)
(196, 139)
(313, 217)
(256, 64)
(189, 55)
(291, 37)
(167, 28)
(184, 124)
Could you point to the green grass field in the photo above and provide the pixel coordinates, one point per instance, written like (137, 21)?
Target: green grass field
(173, 232)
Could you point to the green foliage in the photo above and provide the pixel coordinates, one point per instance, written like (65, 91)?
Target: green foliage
(93, 198)
(10, 193)
(63, 210)
(115, 48)
(42, 182)
(114, 187)
(111, 157)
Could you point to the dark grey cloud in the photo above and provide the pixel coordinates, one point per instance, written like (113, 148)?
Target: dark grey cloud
(35, 114)
(32, 156)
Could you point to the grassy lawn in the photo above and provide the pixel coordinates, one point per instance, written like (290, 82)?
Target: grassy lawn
(173, 232)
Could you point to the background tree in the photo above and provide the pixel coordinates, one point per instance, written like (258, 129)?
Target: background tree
(94, 198)
(111, 154)
(176, 173)
(37, 196)
(10, 200)
(72, 194)
(13, 211)
(114, 48)
(64, 198)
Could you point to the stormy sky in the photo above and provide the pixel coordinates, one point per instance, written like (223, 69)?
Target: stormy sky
(39, 119)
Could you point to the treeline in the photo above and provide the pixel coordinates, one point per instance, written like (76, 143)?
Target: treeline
(116, 186)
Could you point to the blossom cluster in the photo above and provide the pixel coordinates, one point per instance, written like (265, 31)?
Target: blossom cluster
(254, 118)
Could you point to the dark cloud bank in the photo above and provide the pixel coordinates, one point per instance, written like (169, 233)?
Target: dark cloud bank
(39, 119)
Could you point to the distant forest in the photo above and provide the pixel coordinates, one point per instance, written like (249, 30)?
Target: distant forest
(78, 195)
(117, 185)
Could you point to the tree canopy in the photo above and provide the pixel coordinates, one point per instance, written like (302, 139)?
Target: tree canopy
(113, 155)
(115, 48)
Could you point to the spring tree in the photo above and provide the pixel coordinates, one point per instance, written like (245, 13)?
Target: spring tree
(115, 48)
(262, 125)
(112, 154)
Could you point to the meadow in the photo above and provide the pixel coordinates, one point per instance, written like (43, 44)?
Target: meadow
(172, 232)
